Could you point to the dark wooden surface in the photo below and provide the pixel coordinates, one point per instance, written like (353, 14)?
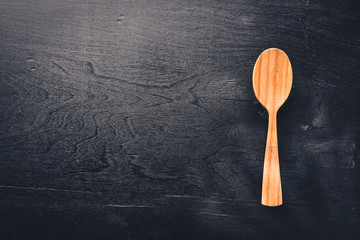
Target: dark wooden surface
(137, 120)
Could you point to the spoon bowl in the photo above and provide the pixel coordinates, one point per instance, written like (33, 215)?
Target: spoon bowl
(272, 78)
(272, 82)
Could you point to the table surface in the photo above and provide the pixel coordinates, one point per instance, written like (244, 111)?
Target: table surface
(137, 120)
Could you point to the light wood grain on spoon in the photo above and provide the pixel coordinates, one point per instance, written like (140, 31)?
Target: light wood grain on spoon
(272, 81)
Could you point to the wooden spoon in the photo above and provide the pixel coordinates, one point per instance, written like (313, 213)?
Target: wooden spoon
(272, 81)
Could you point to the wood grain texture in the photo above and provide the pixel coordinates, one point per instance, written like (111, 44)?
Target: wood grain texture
(137, 120)
(272, 81)
(272, 78)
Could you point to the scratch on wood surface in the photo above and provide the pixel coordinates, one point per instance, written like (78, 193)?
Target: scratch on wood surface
(217, 214)
(179, 196)
(61, 68)
(44, 189)
(198, 199)
(127, 206)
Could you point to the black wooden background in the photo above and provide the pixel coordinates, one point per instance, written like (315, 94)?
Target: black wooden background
(137, 120)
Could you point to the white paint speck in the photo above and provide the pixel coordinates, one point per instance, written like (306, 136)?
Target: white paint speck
(305, 127)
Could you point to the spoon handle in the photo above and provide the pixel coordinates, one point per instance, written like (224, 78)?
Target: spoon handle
(271, 188)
